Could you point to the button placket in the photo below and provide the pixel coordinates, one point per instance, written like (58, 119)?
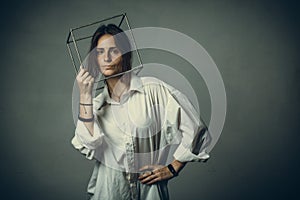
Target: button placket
(131, 175)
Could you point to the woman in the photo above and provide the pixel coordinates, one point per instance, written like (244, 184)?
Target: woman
(140, 131)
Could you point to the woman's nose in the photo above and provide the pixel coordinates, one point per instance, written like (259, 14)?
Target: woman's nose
(107, 57)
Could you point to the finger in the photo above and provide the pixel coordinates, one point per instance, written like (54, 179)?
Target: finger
(149, 178)
(88, 80)
(154, 180)
(83, 67)
(81, 71)
(80, 74)
(92, 80)
(83, 78)
(85, 75)
(145, 175)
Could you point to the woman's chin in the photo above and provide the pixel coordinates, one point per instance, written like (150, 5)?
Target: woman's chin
(109, 72)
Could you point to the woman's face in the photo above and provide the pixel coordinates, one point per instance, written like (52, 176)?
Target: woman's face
(109, 57)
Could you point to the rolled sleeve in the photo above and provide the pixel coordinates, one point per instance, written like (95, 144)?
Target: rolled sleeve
(194, 141)
(184, 154)
(84, 136)
(84, 141)
(194, 133)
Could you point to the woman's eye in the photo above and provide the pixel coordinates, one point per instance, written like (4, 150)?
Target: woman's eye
(99, 52)
(116, 51)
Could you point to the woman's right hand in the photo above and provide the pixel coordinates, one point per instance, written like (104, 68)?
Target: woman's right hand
(85, 82)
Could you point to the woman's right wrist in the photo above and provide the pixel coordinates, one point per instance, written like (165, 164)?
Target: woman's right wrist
(86, 98)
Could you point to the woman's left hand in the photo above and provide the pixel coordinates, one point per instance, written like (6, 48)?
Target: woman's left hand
(154, 174)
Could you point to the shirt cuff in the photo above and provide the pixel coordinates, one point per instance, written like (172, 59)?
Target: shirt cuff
(184, 154)
(85, 138)
(89, 154)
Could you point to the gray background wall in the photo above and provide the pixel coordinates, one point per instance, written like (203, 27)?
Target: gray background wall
(255, 44)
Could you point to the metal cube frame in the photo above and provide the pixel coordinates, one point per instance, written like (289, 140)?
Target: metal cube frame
(71, 39)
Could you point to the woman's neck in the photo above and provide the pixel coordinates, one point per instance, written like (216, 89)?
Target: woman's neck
(117, 86)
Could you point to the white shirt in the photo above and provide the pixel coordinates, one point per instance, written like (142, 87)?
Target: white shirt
(153, 124)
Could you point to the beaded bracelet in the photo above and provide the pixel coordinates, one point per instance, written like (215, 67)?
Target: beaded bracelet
(85, 104)
(172, 170)
(86, 119)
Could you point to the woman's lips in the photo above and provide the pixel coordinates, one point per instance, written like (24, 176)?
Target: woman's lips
(109, 67)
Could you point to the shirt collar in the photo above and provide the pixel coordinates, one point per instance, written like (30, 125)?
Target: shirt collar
(135, 85)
